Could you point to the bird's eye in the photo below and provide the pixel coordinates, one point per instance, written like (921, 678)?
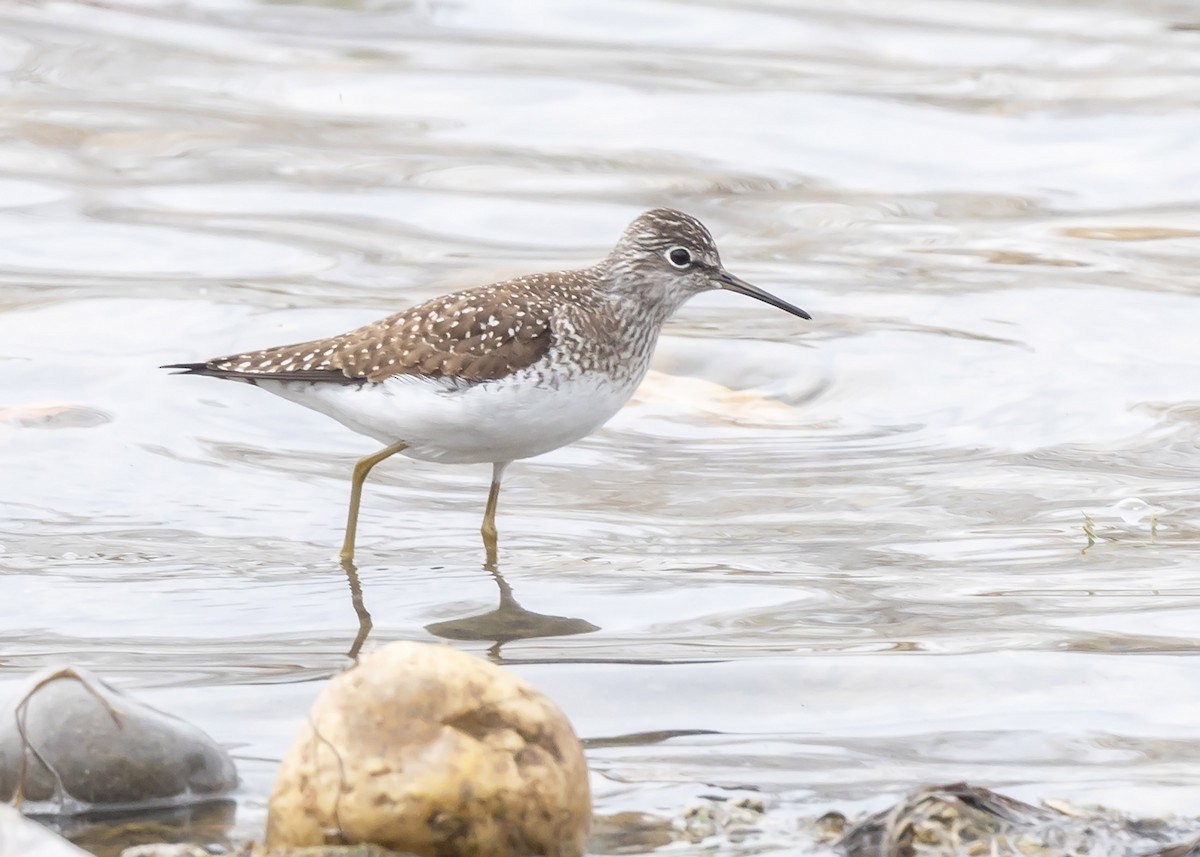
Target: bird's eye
(679, 257)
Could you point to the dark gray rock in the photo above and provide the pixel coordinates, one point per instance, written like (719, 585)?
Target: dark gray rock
(71, 743)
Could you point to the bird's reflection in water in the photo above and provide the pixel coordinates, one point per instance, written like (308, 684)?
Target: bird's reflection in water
(508, 621)
(360, 609)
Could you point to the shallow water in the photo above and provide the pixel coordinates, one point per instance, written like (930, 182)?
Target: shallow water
(826, 561)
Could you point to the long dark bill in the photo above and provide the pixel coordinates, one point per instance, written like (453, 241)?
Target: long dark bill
(730, 283)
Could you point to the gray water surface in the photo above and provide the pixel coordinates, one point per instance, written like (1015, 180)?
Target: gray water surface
(834, 559)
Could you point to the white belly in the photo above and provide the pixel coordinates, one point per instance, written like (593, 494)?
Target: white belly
(516, 417)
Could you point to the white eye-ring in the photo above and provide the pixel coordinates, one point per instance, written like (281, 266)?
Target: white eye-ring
(679, 257)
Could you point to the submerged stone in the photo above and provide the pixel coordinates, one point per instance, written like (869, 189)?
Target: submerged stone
(71, 743)
(428, 750)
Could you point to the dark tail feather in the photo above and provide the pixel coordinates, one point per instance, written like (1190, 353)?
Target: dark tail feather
(331, 376)
(198, 369)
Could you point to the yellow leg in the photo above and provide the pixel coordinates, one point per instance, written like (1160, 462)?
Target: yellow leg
(488, 530)
(361, 468)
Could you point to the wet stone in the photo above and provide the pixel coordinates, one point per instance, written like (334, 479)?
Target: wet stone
(425, 749)
(20, 836)
(961, 819)
(54, 416)
(734, 820)
(70, 743)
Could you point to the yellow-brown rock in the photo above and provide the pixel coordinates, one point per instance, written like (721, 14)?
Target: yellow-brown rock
(425, 749)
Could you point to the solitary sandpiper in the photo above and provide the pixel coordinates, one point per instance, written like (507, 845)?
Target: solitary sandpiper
(500, 372)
